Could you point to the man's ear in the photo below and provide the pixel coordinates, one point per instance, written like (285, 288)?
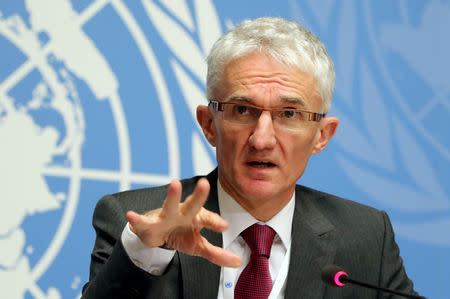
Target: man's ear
(327, 128)
(206, 121)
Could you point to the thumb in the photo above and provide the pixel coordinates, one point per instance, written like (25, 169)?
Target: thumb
(218, 255)
(134, 219)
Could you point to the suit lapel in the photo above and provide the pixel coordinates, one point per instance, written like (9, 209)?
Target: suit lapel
(313, 246)
(201, 277)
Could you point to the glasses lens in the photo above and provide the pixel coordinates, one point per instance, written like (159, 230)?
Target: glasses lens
(241, 114)
(288, 119)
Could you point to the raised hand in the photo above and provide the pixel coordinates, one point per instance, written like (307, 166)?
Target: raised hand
(179, 224)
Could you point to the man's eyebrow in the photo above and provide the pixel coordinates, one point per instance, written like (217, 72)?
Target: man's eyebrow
(294, 100)
(284, 100)
(241, 99)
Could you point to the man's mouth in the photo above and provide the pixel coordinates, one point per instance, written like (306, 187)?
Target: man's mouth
(261, 164)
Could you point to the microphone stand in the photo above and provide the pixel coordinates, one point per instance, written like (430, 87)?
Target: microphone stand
(346, 279)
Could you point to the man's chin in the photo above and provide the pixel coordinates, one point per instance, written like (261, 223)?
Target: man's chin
(259, 189)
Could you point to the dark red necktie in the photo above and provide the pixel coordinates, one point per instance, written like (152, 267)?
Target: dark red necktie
(255, 281)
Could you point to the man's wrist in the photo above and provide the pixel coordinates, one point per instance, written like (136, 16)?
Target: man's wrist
(153, 260)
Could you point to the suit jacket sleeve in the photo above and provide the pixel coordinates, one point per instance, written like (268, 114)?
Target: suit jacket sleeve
(392, 271)
(112, 273)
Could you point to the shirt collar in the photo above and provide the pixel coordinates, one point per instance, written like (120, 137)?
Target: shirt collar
(239, 219)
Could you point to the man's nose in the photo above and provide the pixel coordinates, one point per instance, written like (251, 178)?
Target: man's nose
(263, 135)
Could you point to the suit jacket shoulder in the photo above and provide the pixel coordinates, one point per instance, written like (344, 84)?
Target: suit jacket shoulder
(331, 230)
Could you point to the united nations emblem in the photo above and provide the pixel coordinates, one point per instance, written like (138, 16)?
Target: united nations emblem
(74, 124)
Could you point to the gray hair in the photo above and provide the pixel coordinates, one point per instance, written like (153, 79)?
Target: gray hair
(287, 42)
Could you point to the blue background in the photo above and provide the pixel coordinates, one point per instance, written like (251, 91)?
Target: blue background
(392, 96)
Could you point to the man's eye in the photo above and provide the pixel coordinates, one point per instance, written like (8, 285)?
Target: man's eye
(289, 113)
(242, 109)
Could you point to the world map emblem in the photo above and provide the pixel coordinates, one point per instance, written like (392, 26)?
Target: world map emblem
(67, 130)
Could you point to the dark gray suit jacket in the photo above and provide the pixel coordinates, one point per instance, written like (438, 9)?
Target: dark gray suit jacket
(325, 230)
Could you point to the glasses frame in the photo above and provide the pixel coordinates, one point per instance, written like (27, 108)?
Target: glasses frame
(312, 116)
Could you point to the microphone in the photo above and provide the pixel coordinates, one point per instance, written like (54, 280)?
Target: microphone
(337, 277)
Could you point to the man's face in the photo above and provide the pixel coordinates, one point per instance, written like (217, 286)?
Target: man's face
(262, 163)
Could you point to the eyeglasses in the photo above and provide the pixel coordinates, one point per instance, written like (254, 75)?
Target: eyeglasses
(247, 115)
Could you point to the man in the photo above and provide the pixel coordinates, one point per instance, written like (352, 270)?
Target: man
(246, 230)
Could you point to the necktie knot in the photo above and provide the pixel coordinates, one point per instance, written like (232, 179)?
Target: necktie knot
(259, 238)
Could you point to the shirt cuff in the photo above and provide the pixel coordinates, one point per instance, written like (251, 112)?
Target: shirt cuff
(153, 260)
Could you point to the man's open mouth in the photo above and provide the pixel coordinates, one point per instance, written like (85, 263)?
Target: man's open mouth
(261, 164)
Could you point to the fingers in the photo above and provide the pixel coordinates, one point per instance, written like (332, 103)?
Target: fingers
(173, 198)
(211, 220)
(196, 200)
(139, 222)
(219, 256)
(134, 219)
(180, 223)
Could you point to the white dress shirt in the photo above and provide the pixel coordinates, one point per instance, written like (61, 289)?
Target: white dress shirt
(156, 260)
